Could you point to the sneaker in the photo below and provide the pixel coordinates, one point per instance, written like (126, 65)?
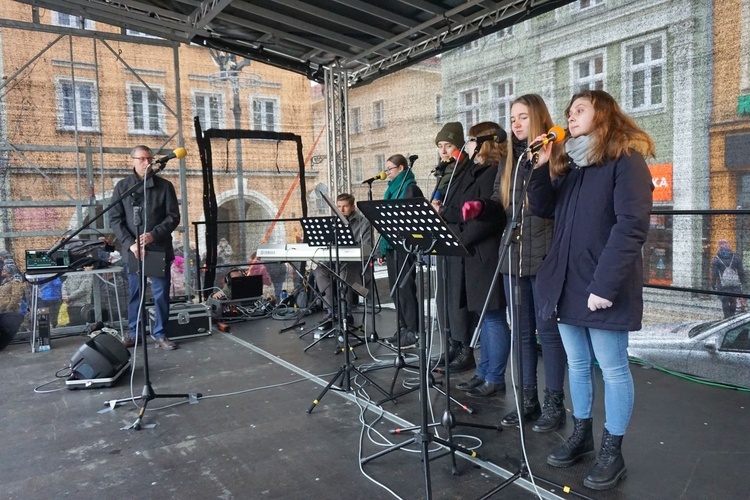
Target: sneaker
(165, 344)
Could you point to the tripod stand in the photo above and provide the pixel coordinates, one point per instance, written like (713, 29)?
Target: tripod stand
(158, 271)
(510, 235)
(339, 228)
(413, 222)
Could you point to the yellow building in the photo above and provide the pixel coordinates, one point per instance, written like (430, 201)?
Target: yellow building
(78, 95)
(730, 121)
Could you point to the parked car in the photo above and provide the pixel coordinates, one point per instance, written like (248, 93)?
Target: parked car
(718, 351)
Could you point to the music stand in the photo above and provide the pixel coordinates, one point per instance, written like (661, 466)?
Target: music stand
(325, 232)
(415, 226)
(338, 226)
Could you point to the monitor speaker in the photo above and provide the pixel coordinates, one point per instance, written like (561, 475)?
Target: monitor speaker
(9, 325)
(100, 357)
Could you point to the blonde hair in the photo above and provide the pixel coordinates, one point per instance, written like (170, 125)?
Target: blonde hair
(540, 122)
(613, 132)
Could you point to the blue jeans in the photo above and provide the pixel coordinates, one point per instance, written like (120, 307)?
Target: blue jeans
(529, 324)
(495, 340)
(610, 349)
(160, 290)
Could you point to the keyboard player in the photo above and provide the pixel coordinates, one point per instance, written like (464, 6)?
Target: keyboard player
(349, 271)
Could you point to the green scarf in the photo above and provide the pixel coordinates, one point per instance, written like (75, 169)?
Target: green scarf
(394, 193)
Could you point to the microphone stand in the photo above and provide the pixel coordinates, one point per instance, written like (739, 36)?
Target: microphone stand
(509, 236)
(368, 264)
(148, 392)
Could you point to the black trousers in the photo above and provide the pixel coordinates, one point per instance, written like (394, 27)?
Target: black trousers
(451, 300)
(408, 307)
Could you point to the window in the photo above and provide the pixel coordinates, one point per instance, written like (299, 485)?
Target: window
(77, 108)
(438, 108)
(378, 114)
(265, 114)
(357, 174)
(146, 115)
(469, 108)
(379, 163)
(503, 96)
(60, 19)
(588, 73)
(355, 118)
(587, 4)
(645, 69)
(209, 107)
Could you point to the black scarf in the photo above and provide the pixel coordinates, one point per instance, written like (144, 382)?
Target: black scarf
(518, 149)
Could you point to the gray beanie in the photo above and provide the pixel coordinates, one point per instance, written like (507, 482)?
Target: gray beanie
(452, 132)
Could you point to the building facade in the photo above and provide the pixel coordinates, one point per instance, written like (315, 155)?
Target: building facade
(79, 95)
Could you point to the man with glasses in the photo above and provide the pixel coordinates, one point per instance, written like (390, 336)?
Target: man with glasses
(159, 212)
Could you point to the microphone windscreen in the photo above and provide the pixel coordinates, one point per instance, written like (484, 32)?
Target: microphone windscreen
(382, 176)
(559, 133)
(502, 135)
(180, 153)
(438, 195)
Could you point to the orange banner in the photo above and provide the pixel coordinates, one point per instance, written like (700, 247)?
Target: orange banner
(661, 176)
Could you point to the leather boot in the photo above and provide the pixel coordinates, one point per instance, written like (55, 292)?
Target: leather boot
(578, 446)
(531, 408)
(464, 360)
(553, 412)
(453, 349)
(609, 467)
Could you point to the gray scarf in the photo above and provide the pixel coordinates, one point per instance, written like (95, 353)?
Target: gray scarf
(579, 150)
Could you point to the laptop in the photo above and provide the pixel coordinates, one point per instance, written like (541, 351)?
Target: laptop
(246, 287)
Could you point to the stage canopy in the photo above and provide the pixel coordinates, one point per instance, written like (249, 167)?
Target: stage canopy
(367, 38)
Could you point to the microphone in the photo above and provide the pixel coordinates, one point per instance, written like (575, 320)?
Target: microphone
(380, 177)
(499, 136)
(413, 158)
(162, 162)
(555, 134)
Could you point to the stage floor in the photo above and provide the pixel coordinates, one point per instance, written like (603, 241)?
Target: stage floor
(250, 436)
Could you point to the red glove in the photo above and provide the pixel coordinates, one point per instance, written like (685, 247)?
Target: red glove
(472, 209)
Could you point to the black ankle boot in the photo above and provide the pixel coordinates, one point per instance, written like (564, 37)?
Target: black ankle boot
(464, 360)
(609, 467)
(553, 412)
(531, 408)
(579, 445)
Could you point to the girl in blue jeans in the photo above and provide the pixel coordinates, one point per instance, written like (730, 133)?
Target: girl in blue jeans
(599, 193)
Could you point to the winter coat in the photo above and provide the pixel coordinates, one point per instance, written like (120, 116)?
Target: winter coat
(535, 232)
(78, 289)
(480, 236)
(602, 217)
(11, 295)
(726, 258)
(163, 214)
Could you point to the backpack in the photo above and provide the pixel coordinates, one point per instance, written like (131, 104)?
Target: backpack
(729, 277)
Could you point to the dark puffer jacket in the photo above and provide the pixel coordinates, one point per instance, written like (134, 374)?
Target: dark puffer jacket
(535, 232)
(602, 217)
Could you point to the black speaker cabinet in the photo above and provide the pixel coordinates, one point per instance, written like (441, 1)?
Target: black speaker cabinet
(9, 325)
(100, 359)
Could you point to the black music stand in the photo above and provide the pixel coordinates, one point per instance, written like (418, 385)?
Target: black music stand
(415, 226)
(330, 232)
(339, 225)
